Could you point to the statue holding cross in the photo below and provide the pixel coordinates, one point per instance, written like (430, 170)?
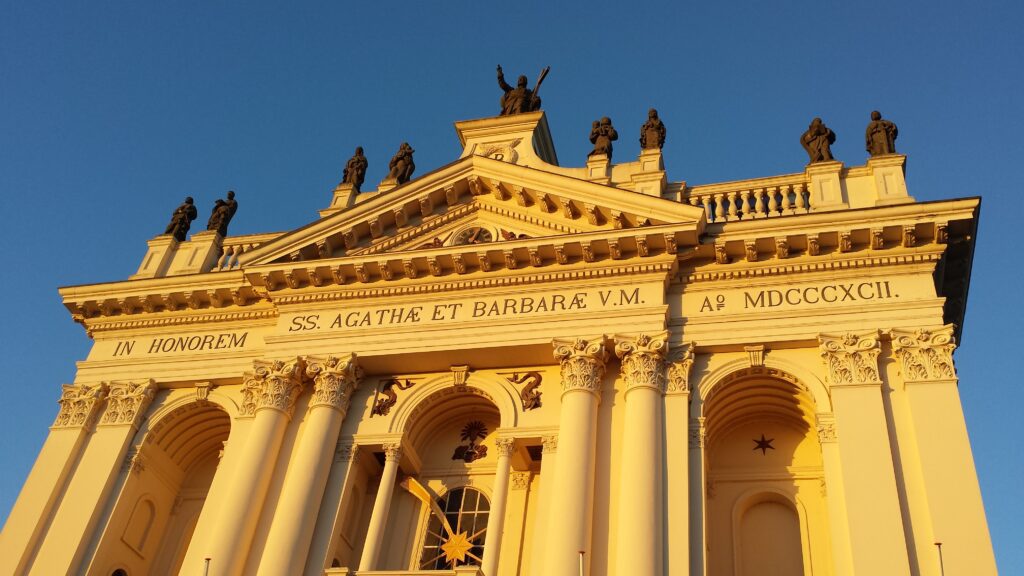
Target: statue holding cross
(520, 99)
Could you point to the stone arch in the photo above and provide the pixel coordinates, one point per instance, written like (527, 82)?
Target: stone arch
(499, 393)
(773, 368)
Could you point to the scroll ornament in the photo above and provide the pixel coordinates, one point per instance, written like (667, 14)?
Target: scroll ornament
(925, 354)
(127, 401)
(643, 360)
(582, 363)
(272, 384)
(78, 405)
(851, 358)
(334, 379)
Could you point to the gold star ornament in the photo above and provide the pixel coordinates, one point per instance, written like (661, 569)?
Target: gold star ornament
(457, 547)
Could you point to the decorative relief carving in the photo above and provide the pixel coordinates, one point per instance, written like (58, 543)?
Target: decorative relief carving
(826, 424)
(697, 433)
(78, 405)
(851, 358)
(925, 354)
(272, 384)
(680, 362)
(203, 391)
(386, 397)
(530, 394)
(346, 451)
(127, 402)
(133, 461)
(392, 451)
(549, 443)
(755, 355)
(582, 363)
(504, 446)
(471, 433)
(459, 375)
(643, 360)
(334, 379)
(520, 480)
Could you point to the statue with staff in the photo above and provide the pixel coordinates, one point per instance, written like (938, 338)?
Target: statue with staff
(520, 99)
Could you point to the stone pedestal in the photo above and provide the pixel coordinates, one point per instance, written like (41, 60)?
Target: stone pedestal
(522, 139)
(199, 254)
(344, 197)
(825, 186)
(599, 168)
(890, 184)
(651, 179)
(158, 257)
(387, 184)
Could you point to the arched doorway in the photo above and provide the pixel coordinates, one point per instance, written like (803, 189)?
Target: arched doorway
(765, 503)
(168, 480)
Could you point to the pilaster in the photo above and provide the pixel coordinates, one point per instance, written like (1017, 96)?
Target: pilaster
(878, 542)
(944, 451)
(676, 515)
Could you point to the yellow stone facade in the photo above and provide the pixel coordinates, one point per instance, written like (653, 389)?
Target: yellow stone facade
(505, 362)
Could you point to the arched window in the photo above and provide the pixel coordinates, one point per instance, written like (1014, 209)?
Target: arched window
(457, 530)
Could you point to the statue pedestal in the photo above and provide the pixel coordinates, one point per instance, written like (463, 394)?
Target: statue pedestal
(344, 197)
(651, 178)
(387, 184)
(522, 139)
(890, 183)
(825, 187)
(597, 168)
(158, 257)
(199, 254)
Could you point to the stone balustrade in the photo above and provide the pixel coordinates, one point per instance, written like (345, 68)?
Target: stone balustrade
(234, 247)
(751, 199)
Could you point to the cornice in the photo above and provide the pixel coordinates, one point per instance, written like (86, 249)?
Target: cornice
(94, 326)
(807, 264)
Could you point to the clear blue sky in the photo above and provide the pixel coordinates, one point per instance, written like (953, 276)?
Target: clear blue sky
(112, 112)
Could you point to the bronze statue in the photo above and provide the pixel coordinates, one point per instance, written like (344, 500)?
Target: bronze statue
(401, 164)
(601, 136)
(652, 133)
(817, 141)
(880, 137)
(182, 219)
(355, 169)
(519, 99)
(223, 211)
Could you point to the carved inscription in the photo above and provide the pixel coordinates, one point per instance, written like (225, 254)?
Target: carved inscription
(757, 299)
(178, 344)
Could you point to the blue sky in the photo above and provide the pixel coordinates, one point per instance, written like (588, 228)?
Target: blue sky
(111, 113)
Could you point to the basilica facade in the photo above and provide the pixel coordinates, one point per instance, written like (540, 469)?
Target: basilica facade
(509, 367)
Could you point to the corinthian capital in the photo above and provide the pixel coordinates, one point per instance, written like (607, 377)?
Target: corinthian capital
(925, 355)
(582, 362)
(851, 358)
(273, 384)
(127, 402)
(643, 359)
(78, 405)
(680, 361)
(392, 451)
(334, 379)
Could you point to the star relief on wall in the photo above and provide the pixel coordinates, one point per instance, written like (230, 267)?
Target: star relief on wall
(764, 444)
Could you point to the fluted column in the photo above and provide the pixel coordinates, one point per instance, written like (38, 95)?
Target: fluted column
(640, 494)
(334, 380)
(496, 519)
(79, 406)
(381, 507)
(582, 370)
(944, 452)
(85, 498)
(269, 394)
(878, 543)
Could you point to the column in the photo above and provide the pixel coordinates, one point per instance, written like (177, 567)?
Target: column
(841, 561)
(582, 370)
(677, 461)
(26, 523)
(878, 543)
(698, 536)
(496, 518)
(541, 519)
(327, 521)
(640, 495)
(381, 507)
(269, 394)
(334, 380)
(85, 499)
(947, 464)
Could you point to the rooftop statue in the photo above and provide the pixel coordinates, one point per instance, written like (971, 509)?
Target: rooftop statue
(652, 133)
(355, 169)
(401, 164)
(223, 211)
(817, 141)
(880, 137)
(601, 136)
(520, 99)
(182, 219)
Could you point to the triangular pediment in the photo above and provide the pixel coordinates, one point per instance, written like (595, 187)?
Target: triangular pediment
(473, 200)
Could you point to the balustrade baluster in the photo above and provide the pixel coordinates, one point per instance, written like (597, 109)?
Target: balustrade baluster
(773, 202)
(732, 206)
(801, 201)
(759, 203)
(719, 208)
(708, 211)
(745, 204)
